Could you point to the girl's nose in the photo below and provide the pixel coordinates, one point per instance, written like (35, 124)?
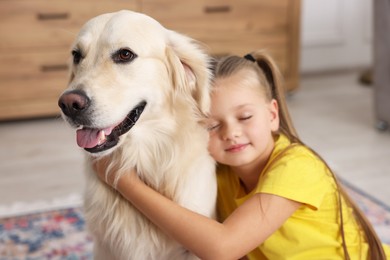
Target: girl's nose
(231, 132)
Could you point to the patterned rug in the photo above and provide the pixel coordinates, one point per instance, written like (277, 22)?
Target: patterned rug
(58, 234)
(61, 234)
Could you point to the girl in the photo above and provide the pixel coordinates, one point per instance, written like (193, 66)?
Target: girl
(277, 199)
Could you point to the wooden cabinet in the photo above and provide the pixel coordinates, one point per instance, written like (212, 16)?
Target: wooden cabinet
(238, 27)
(36, 36)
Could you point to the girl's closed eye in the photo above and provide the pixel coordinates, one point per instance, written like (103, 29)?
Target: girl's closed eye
(213, 126)
(243, 118)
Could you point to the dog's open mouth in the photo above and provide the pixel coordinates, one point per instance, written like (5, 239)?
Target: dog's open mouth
(95, 140)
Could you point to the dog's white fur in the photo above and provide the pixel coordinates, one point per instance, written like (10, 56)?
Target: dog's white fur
(168, 145)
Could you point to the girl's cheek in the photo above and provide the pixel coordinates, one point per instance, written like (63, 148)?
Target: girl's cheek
(212, 146)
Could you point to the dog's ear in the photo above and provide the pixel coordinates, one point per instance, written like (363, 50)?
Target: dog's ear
(188, 65)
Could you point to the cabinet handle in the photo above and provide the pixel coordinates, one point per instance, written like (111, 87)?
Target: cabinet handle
(217, 9)
(52, 16)
(54, 68)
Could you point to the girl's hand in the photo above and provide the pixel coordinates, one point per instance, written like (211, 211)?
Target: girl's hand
(100, 167)
(107, 173)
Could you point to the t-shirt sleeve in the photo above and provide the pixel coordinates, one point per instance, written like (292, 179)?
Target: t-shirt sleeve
(299, 176)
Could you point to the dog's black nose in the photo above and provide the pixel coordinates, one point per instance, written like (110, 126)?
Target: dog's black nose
(74, 103)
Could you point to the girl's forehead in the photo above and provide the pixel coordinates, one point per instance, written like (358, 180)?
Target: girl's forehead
(242, 80)
(229, 95)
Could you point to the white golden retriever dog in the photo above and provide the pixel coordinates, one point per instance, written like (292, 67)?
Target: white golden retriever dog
(137, 94)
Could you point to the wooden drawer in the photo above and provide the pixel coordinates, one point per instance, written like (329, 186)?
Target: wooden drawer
(39, 24)
(32, 64)
(31, 83)
(35, 97)
(237, 27)
(36, 37)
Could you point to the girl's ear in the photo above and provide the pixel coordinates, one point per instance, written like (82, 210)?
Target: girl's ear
(274, 115)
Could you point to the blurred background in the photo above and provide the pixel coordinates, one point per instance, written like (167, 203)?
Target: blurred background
(334, 56)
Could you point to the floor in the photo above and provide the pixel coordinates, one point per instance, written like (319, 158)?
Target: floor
(41, 165)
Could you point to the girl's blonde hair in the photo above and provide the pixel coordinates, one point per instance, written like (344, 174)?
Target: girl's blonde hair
(271, 80)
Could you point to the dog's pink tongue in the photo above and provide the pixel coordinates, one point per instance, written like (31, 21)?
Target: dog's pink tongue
(89, 138)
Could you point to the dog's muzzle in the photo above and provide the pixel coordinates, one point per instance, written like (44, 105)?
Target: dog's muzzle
(75, 106)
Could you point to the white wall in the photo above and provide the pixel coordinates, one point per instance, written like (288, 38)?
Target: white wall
(336, 34)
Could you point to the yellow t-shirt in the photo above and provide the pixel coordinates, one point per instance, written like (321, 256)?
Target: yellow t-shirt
(313, 231)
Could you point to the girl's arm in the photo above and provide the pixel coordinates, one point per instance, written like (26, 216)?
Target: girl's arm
(245, 229)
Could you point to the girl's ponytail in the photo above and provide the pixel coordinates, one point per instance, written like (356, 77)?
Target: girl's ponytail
(275, 91)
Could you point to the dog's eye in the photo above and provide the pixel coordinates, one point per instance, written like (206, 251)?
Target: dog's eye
(123, 56)
(76, 56)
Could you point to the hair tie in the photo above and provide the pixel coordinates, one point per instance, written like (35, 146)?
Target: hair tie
(250, 57)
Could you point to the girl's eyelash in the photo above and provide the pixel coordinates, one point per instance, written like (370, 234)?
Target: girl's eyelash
(210, 128)
(215, 126)
(245, 117)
